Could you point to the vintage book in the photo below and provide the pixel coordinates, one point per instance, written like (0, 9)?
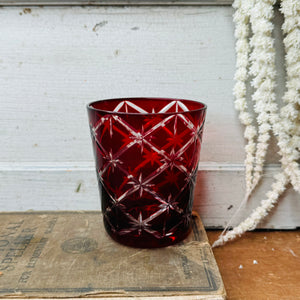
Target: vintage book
(69, 255)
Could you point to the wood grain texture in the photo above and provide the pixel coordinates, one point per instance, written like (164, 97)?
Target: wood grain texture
(116, 2)
(55, 60)
(260, 265)
(217, 194)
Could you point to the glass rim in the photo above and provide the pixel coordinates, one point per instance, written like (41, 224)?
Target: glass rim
(202, 108)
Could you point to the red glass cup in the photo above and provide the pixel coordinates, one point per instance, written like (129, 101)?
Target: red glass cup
(147, 152)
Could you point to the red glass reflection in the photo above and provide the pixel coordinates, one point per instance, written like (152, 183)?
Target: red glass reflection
(147, 152)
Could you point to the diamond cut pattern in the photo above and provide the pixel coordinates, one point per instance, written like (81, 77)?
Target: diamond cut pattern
(146, 163)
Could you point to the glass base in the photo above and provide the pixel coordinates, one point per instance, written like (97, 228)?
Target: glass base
(145, 240)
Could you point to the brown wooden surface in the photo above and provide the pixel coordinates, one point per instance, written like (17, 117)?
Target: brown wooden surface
(260, 265)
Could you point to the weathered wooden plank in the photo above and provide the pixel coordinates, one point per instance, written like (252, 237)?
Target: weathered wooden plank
(55, 60)
(116, 2)
(217, 194)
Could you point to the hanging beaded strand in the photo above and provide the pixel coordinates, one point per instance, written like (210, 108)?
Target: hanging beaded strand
(286, 125)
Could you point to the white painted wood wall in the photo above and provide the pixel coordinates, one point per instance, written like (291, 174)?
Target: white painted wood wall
(54, 60)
